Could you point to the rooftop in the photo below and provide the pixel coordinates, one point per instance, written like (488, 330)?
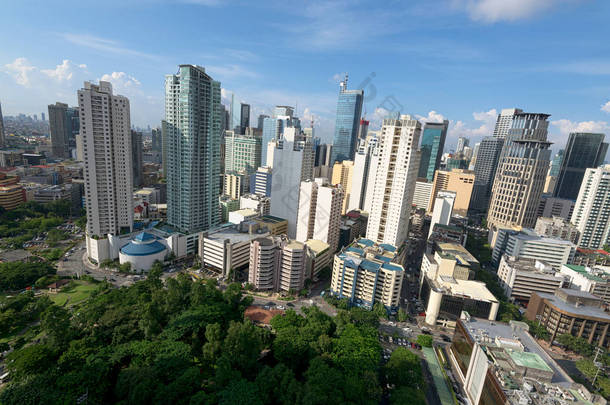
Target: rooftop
(576, 311)
(466, 288)
(232, 233)
(271, 219)
(485, 332)
(585, 272)
(317, 246)
(527, 359)
(457, 251)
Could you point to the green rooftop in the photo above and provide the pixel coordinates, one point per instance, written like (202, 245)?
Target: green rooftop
(529, 360)
(583, 270)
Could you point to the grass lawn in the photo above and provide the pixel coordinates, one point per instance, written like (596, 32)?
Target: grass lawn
(73, 295)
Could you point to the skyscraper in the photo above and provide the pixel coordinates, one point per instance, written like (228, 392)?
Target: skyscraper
(362, 163)
(64, 126)
(556, 163)
(485, 167)
(234, 114)
(242, 152)
(273, 128)
(349, 109)
(319, 213)
(521, 174)
(363, 129)
(192, 116)
(458, 181)
(137, 158)
(461, 144)
(157, 140)
(106, 135)
(442, 208)
(292, 163)
(432, 146)
(394, 181)
(245, 117)
(592, 210)
(583, 151)
(2, 134)
(505, 121)
(261, 119)
(343, 173)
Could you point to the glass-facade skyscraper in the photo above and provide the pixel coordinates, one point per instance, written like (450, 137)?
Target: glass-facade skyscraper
(349, 110)
(583, 150)
(193, 128)
(64, 126)
(556, 163)
(432, 146)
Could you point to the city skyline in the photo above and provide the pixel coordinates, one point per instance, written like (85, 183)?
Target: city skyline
(467, 58)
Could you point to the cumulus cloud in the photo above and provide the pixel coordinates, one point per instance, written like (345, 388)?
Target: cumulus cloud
(432, 116)
(606, 107)
(487, 120)
(565, 126)
(490, 11)
(65, 71)
(20, 70)
(121, 82)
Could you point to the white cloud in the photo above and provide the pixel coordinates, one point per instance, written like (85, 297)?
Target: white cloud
(491, 11)
(121, 82)
(103, 45)
(65, 71)
(565, 126)
(432, 116)
(20, 70)
(487, 120)
(606, 107)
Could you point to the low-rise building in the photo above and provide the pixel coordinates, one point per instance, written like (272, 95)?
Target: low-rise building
(594, 280)
(591, 257)
(227, 205)
(226, 249)
(320, 255)
(274, 225)
(143, 251)
(521, 277)
(557, 227)
(241, 215)
(364, 273)
(555, 207)
(527, 244)
(572, 312)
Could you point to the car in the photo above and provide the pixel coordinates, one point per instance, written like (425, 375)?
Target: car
(445, 338)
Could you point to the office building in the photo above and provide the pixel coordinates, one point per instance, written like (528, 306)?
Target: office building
(363, 129)
(2, 130)
(520, 177)
(505, 121)
(234, 115)
(365, 274)
(447, 288)
(319, 213)
(323, 152)
(501, 363)
(572, 312)
(595, 280)
(459, 181)
(432, 146)
(192, 107)
(226, 248)
(485, 167)
(274, 225)
(422, 194)
(591, 212)
(362, 164)
(392, 185)
(244, 121)
(137, 158)
(528, 245)
(105, 128)
(64, 126)
(242, 152)
(273, 128)
(236, 184)
(521, 277)
(462, 143)
(349, 110)
(277, 264)
(555, 207)
(442, 209)
(556, 163)
(343, 173)
(260, 182)
(292, 164)
(156, 140)
(583, 151)
(260, 121)
(11, 196)
(557, 227)
(256, 202)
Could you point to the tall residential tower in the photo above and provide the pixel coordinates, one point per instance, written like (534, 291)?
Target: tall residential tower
(349, 109)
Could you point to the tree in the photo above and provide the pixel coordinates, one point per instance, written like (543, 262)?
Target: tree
(243, 345)
(404, 369)
(407, 396)
(240, 392)
(402, 315)
(31, 360)
(424, 340)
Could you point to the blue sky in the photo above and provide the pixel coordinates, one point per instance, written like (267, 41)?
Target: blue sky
(463, 60)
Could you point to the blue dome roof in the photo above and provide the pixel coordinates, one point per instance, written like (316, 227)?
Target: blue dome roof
(144, 244)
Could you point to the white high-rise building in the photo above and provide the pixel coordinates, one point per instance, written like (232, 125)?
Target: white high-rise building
(422, 194)
(319, 215)
(362, 163)
(293, 158)
(592, 210)
(105, 128)
(505, 121)
(443, 208)
(394, 179)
